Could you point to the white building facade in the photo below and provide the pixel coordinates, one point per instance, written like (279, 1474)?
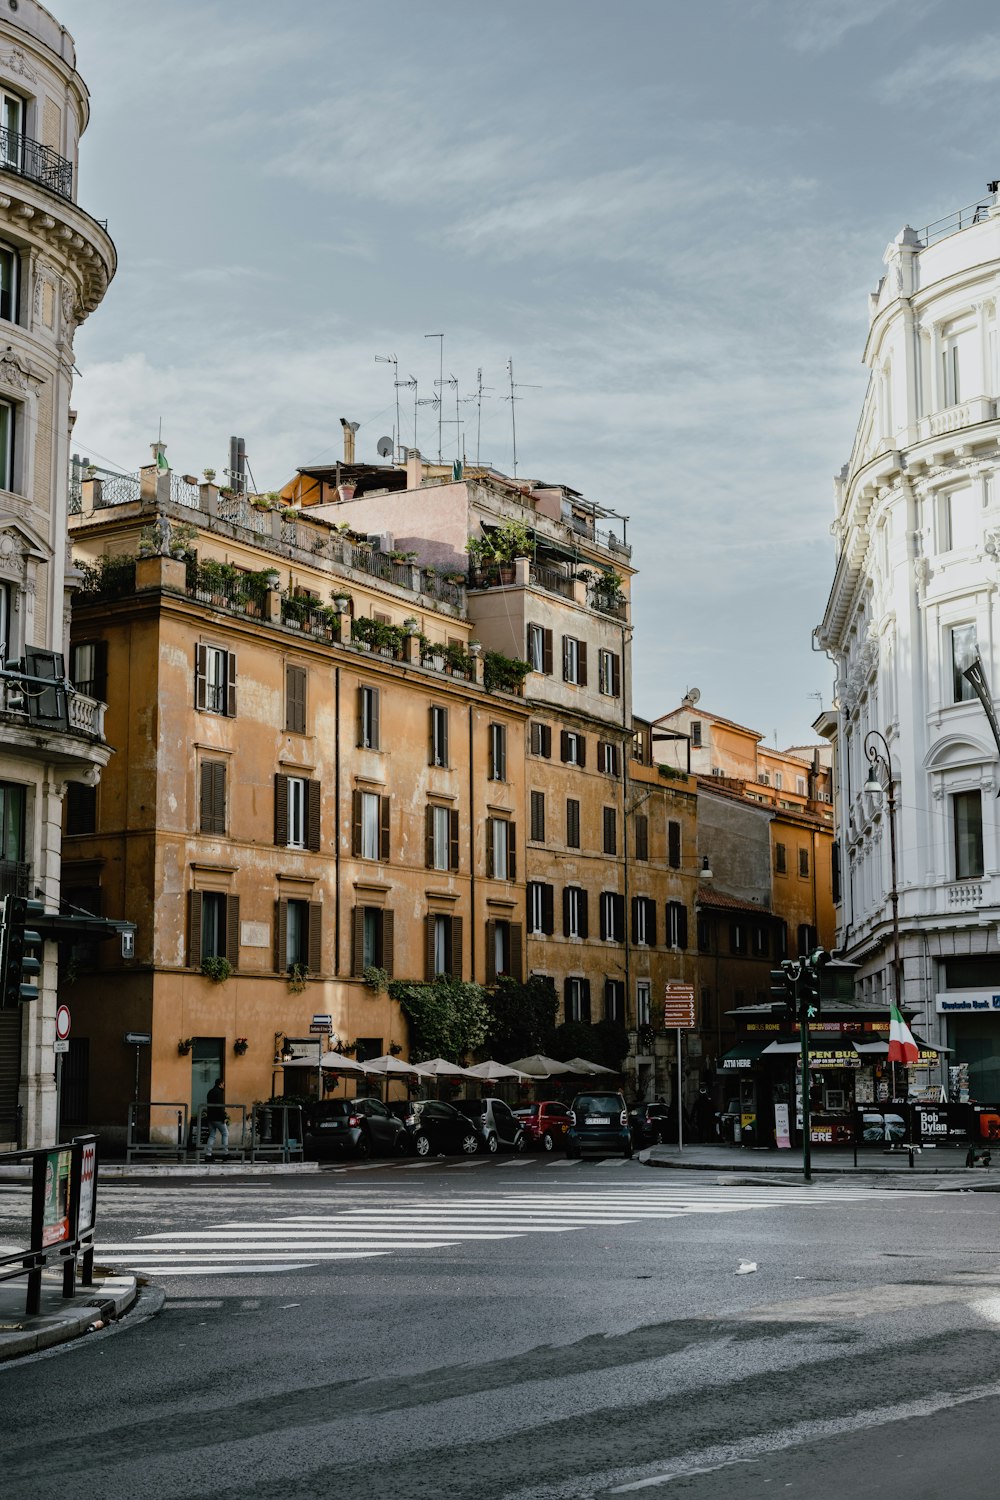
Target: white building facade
(915, 593)
(55, 265)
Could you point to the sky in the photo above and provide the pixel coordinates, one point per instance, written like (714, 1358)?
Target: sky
(667, 213)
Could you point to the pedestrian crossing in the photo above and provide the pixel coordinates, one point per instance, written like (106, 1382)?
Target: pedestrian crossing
(377, 1224)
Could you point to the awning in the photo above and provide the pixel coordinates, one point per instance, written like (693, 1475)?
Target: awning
(743, 1056)
(774, 1048)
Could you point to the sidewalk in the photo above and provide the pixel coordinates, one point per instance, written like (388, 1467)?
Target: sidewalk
(60, 1320)
(941, 1167)
(115, 1171)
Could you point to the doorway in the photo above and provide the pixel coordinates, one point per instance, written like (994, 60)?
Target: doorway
(207, 1054)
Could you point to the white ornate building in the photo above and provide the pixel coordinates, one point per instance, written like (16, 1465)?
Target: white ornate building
(916, 588)
(55, 265)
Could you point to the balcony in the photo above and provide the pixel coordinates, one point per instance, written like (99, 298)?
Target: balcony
(43, 699)
(28, 158)
(15, 878)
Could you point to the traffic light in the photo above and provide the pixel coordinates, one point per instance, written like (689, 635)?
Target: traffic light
(812, 989)
(783, 990)
(20, 952)
(31, 952)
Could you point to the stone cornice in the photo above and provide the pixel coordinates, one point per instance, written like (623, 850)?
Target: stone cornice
(74, 241)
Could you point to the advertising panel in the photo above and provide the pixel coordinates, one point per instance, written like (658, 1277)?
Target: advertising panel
(56, 1213)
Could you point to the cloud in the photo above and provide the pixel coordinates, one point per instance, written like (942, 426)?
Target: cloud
(819, 27)
(934, 69)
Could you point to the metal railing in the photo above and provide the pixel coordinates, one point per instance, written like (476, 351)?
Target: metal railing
(29, 158)
(976, 213)
(551, 580)
(616, 608)
(183, 493)
(63, 1218)
(235, 1138)
(116, 489)
(15, 878)
(276, 1133)
(239, 511)
(161, 1135)
(366, 560)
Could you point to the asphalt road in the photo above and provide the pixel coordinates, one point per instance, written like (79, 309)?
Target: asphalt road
(501, 1331)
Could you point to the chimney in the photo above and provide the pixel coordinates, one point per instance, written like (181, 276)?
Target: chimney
(350, 428)
(414, 469)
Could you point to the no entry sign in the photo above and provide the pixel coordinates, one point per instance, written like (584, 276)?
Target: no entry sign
(62, 1023)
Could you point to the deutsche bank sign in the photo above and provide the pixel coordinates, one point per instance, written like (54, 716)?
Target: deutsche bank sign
(950, 1001)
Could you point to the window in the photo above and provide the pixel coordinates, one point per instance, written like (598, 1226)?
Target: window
(81, 808)
(609, 674)
(296, 813)
(737, 938)
(213, 927)
(696, 733)
(575, 924)
(572, 823)
(574, 661)
(439, 735)
(780, 859)
(9, 269)
(968, 822)
(572, 748)
(610, 831)
(212, 799)
(612, 917)
(835, 871)
(503, 950)
(500, 858)
(674, 845)
(538, 817)
(370, 832)
(298, 936)
(295, 699)
(614, 1001)
(641, 836)
(644, 921)
(643, 991)
(800, 786)
(540, 649)
(677, 924)
(368, 718)
(541, 739)
(804, 863)
(541, 919)
(12, 120)
(442, 838)
(807, 939)
(704, 935)
(12, 801)
(779, 780)
(607, 758)
(576, 999)
(759, 941)
(765, 778)
(372, 940)
(498, 752)
(215, 680)
(443, 946)
(6, 634)
(89, 668)
(963, 651)
(7, 424)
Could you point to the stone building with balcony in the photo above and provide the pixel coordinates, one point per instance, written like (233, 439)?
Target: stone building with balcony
(55, 265)
(914, 595)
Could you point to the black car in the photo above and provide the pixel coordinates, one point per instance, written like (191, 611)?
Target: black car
(439, 1129)
(598, 1119)
(499, 1124)
(652, 1124)
(353, 1127)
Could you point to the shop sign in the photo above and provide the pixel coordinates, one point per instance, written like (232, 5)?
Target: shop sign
(55, 1214)
(971, 1000)
(834, 1057)
(763, 1026)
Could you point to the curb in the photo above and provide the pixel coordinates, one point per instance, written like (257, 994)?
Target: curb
(956, 1180)
(117, 1171)
(31, 1335)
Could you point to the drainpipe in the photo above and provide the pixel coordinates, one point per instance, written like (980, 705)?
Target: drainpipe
(336, 844)
(472, 853)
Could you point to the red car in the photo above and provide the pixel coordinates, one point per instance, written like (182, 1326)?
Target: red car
(545, 1124)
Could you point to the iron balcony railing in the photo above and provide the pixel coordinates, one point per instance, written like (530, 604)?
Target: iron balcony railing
(976, 213)
(15, 878)
(28, 158)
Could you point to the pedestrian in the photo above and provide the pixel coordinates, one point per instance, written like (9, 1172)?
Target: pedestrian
(215, 1114)
(704, 1112)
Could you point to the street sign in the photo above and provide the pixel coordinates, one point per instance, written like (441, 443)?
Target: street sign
(128, 944)
(61, 1044)
(678, 1007)
(62, 1022)
(88, 1169)
(321, 1024)
(138, 1038)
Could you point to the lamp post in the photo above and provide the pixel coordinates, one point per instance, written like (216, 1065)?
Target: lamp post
(877, 752)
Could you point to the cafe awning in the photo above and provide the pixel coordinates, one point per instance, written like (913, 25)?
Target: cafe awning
(742, 1057)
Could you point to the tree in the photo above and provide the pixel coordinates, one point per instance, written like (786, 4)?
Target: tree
(605, 1043)
(447, 1018)
(522, 1017)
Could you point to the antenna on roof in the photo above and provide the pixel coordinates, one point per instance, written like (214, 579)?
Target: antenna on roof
(453, 381)
(407, 383)
(439, 383)
(478, 399)
(390, 359)
(512, 398)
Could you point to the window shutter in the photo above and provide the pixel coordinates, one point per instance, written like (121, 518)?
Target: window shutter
(642, 837)
(547, 652)
(635, 919)
(314, 956)
(361, 716)
(511, 851)
(231, 686)
(535, 738)
(200, 676)
(548, 915)
(604, 917)
(233, 930)
(376, 729)
(547, 741)
(566, 891)
(581, 749)
(99, 688)
(280, 936)
(456, 947)
(581, 647)
(206, 810)
(616, 675)
(444, 736)
(313, 792)
(490, 866)
(527, 637)
(429, 836)
(566, 658)
(567, 1001)
(281, 811)
(429, 949)
(610, 831)
(219, 795)
(453, 839)
(194, 929)
(502, 747)
(584, 914)
(383, 848)
(516, 946)
(619, 917)
(650, 922)
(682, 926)
(356, 823)
(585, 1001)
(388, 942)
(295, 699)
(491, 952)
(564, 745)
(357, 940)
(674, 845)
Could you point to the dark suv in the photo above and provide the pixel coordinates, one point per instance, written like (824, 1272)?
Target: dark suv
(598, 1121)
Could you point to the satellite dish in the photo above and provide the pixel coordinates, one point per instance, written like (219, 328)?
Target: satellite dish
(385, 447)
(692, 695)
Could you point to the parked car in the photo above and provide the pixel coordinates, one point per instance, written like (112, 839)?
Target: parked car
(545, 1124)
(499, 1125)
(435, 1128)
(353, 1127)
(651, 1124)
(598, 1119)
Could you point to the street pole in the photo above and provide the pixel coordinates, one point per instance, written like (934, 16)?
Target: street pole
(802, 1011)
(680, 1094)
(880, 757)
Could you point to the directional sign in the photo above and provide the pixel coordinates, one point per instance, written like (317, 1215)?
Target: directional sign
(138, 1038)
(62, 1022)
(678, 1006)
(61, 1044)
(321, 1024)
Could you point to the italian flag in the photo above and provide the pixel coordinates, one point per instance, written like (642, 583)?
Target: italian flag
(162, 466)
(902, 1047)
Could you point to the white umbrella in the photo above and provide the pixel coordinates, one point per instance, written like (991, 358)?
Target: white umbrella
(386, 1066)
(581, 1065)
(492, 1071)
(538, 1066)
(439, 1067)
(336, 1062)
